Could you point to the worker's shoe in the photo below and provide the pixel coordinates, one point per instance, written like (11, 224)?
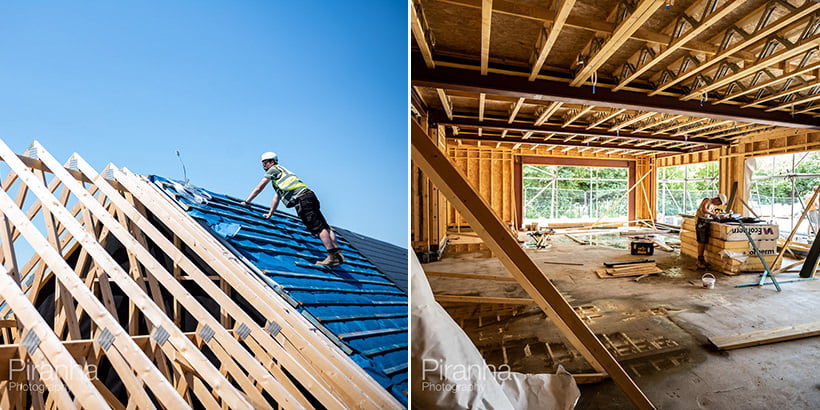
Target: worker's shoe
(702, 263)
(334, 258)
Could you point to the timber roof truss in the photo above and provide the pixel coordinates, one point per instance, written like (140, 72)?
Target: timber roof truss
(138, 287)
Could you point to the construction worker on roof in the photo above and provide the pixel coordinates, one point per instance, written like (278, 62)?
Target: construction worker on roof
(705, 214)
(294, 193)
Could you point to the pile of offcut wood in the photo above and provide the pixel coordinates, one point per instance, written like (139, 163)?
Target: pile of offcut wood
(641, 267)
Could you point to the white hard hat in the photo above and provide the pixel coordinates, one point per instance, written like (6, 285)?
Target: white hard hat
(270, 156)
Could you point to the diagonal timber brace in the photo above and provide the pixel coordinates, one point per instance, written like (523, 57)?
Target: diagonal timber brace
(435, 165)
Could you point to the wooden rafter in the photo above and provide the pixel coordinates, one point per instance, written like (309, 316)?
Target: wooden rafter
(669, 118)
(676, 125)
(297, 335)
(514, 109)
(759, 102)
(769, 83)
(547, 113)
(776, 58)
(797, 101)
(419, 28)
(548, 37)
(606, 118)
(643, 12)
(545, 16)
(765, 30)
(583, 111)
(65, 274)
(445, 102)
(498, 125)
(168, 368)
(638, 118)
(481, 98)
(486, 26)
(50, 357)
(702, 127)
(678, 42)
(565, 142)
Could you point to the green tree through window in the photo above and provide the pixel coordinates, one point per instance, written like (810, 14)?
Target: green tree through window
(554, 192)
(681, 188)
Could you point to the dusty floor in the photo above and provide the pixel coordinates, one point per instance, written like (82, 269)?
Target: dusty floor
(660, 324)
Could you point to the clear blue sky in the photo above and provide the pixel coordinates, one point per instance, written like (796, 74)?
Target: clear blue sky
(324, 84)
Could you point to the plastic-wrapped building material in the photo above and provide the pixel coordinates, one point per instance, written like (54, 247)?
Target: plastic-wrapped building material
(448, 372)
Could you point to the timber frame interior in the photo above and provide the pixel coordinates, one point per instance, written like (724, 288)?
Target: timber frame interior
(652, 82)
(645, 83)
(128, 302)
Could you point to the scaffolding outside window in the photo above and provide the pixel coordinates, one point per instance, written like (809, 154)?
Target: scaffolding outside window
(781, 188)
(555, 193)
(681, 188)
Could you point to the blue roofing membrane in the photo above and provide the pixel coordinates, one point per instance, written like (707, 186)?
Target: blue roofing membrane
(355, 304)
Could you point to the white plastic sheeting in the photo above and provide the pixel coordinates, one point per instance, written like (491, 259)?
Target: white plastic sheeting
(448, 372)
(192, 193)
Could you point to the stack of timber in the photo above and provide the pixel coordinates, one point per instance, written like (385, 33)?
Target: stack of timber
(730, 237)
(626, 269)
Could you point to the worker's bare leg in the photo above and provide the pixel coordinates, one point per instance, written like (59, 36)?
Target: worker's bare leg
(328, 239)
(701, 259)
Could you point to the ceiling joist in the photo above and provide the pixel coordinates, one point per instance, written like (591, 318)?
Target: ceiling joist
(508, 86)
(762, 31)
(643, 12)
(499, 125)
(468, 136)
(678, 40)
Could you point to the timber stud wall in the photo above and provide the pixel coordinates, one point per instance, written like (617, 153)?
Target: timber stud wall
(493, 170)
(428, 216)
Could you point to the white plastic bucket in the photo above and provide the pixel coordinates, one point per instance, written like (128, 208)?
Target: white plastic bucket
(708, 280)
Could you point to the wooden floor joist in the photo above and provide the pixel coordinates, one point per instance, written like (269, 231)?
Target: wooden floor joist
(470, 205)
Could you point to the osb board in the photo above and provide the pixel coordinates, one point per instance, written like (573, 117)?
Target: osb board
(489, 171)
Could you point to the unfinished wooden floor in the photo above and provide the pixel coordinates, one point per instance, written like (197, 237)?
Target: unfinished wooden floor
(657, 328)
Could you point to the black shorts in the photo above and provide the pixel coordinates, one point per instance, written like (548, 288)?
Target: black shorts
(702, 230)
(307, 207)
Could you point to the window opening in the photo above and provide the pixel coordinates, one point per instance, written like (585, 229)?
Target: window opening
(682, 187)
(554, 193)
(781, 188)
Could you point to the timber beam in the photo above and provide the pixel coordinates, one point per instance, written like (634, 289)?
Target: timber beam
(546, 90)
(561, 143)
(438, 117)
(497, 236)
